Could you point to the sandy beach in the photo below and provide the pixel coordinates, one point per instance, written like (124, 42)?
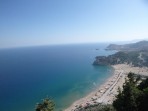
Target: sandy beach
(106, 92)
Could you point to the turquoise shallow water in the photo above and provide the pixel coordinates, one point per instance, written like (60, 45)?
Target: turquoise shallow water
(65, 73)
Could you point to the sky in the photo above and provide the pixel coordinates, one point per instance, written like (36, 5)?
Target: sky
(48, 22)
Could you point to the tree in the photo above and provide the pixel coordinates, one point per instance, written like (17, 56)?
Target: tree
(118, 103)
(127, 99)
(47, 105)
(143, 104)
(143, 84)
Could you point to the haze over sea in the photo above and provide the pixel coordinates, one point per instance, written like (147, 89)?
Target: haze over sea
(63, 72)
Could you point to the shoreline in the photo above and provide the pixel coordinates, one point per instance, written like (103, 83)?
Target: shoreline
(106, 92)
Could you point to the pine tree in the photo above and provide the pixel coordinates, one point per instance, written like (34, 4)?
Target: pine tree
(47, 105)
(127, 99)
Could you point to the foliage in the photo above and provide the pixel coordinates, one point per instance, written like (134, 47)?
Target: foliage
(125, 57)
(133, 97)
(46, 105)
(136, 58)
(97, 107)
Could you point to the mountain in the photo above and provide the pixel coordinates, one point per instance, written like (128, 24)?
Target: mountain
(142, 45)
(135, 54)
(135, 58)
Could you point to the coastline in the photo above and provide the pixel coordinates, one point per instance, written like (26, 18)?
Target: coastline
(106, 92)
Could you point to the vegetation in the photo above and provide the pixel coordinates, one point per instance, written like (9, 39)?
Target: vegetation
(46, 105)
(134, 96)
(96, 107)
(135, 58)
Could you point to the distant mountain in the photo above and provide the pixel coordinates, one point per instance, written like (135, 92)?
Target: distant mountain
(142, 45)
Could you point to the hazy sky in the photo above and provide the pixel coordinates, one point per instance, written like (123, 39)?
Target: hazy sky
(39, 22)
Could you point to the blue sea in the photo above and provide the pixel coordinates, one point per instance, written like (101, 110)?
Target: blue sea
(63, 72)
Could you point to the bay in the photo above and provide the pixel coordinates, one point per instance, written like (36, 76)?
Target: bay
(63, 72)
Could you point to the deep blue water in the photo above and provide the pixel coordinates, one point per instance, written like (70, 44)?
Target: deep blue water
(63, 72)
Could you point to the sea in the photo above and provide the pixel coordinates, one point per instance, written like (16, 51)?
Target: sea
(64, 73)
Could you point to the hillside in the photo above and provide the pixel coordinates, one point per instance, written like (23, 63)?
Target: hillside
(135, 54)
(135, 58)
(142, 45)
